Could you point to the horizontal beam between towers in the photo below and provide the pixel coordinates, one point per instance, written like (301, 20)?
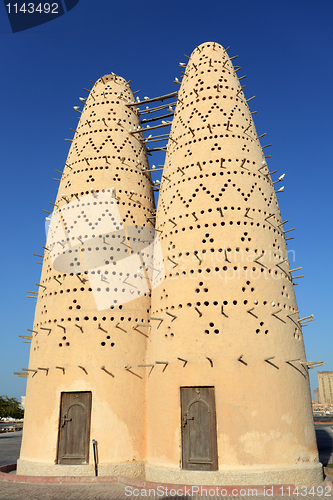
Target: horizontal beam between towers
(158, 108)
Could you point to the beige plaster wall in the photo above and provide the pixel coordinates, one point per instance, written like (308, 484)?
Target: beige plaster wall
(103, 155)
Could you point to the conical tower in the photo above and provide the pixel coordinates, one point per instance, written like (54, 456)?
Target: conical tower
(93, 294)
(228, 400)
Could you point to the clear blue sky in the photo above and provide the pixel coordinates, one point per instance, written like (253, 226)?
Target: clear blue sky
(284, 48)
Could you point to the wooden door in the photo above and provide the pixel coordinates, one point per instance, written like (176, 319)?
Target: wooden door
(74, 428)
(199, 441)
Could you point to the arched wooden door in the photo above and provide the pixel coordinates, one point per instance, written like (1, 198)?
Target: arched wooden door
(74, 428)
(199, 441)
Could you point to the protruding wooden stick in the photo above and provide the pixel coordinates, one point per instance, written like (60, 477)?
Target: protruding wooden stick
(312, 364)
(160, 98)
(199, 312)
(29, 370)
(247, 211)
(151, 368)
(309, 318)
(172, 315)
(135, 328)
(211, 361)
(158, 319)
(222, 312)
(38, 284)
(250, 312)
(184, 361)
(257, 260)
(173, 262)
(106, 371)
(49, 329)
(197, 256)
(268, 360)
(277, 317)
(119, 327)
(162, 363)
(241, 359)
(128, 368)
(46, 369)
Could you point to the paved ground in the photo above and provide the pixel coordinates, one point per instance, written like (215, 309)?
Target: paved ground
(13, 491)
(10, 444)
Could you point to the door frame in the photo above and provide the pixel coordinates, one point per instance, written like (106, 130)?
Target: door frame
(213, 423)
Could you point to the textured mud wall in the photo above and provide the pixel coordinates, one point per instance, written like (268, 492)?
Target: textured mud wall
(228, 304)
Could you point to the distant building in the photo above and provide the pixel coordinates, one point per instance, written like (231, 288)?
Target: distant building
(317, 395)
(325, 380)
(22, 405)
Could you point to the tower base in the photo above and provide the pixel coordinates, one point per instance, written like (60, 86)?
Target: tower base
(298, 475)
(131, 470)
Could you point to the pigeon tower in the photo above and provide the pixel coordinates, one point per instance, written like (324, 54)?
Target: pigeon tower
(92, 295)
(233, 396)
